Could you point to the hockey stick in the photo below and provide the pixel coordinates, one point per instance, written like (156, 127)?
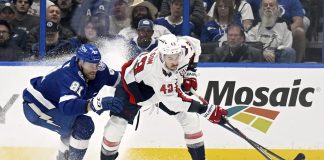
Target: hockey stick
(262, 150)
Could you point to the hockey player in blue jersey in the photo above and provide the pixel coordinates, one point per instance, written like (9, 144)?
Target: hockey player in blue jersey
(59, 100)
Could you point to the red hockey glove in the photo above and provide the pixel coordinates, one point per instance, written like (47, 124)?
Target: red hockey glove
(189, 81)
(214, 113)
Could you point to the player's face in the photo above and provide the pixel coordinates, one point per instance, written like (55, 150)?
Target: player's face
(89, 70)
(172, 61)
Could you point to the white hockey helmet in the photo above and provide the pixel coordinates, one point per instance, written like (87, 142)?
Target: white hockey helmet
(168, 44)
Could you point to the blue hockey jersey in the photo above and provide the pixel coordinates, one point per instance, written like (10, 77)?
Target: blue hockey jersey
(66, 88)
(174, 28)
(212, 32)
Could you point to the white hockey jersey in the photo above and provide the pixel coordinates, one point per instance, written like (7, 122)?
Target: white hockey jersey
(149, 82)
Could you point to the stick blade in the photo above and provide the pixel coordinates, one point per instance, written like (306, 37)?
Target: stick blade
(300, 156)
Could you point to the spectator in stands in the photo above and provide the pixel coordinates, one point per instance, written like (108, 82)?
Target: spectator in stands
(141, 9)
(22, 19)
(18, 36)
(7, 12)
(174, 22)
(243, 13)
(275, 35)
(54, 46)
(236, 50)
(89, 34)
(197, 13)
(119, 18)
(67, 10)
(215, 30)
(83, 11)
(8, 51)
(292, 13)
(100, 14)
(144, 42)
(53, 13)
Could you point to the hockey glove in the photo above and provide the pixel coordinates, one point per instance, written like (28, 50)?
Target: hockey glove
(214, 113)
(100, 105)
(189, 81)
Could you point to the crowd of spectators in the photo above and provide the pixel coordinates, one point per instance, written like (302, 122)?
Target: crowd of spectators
(229, 27)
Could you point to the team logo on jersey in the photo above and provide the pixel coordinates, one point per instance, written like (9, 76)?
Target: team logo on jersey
(102, 66)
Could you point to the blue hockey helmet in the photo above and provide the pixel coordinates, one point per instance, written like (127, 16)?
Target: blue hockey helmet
(88, 53)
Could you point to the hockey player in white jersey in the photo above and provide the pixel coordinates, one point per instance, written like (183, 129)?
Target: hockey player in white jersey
(154, 79)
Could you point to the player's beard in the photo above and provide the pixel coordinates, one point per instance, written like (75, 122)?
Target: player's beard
(88, 75)
(269, 17)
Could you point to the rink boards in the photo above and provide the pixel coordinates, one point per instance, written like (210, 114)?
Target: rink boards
(280, 108)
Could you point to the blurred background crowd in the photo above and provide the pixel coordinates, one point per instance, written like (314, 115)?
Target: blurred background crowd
(273, 31)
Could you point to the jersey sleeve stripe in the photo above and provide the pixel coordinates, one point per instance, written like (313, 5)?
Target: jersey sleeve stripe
(67, 97)
(131, 96)
(118, 80)
(37, 95)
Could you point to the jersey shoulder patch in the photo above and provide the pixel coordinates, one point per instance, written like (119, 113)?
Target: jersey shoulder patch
(102, 66)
